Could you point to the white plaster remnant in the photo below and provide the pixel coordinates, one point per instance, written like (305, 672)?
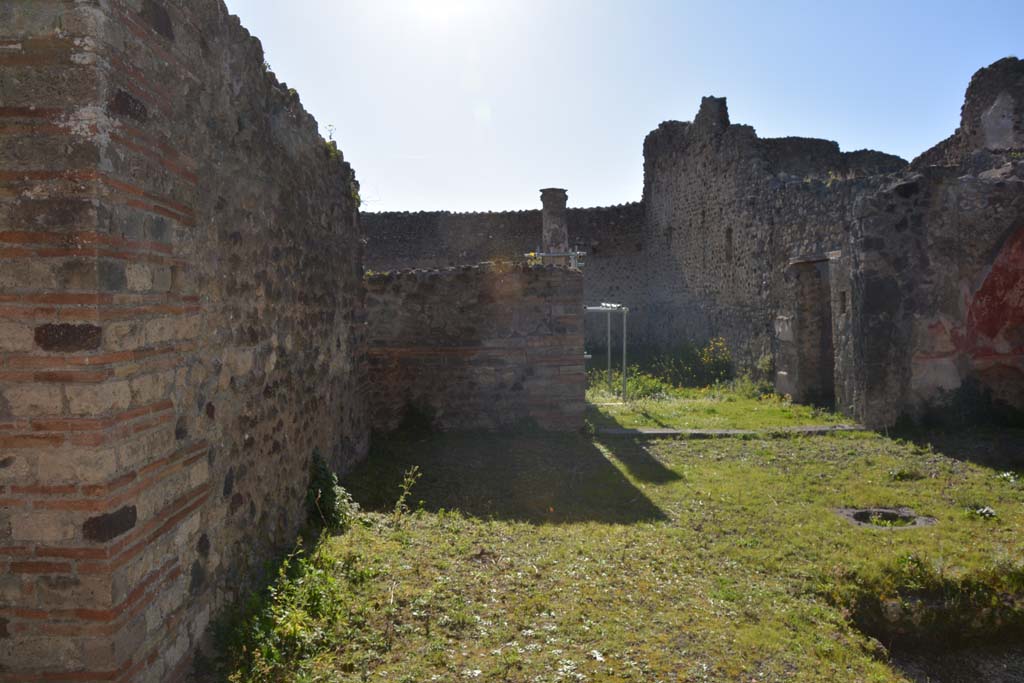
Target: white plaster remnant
(90, 122)
(997, 124)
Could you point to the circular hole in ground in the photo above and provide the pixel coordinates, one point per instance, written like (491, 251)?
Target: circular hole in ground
(886, 518)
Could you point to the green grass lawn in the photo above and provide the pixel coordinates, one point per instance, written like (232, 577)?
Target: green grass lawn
(543, 557)
(710, 408)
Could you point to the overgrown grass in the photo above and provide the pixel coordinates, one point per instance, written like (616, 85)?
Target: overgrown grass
(661, 375)
(693, 388)
(739, 404)
(559, 558)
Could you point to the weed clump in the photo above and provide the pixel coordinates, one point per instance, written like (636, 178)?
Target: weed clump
(412, 475)
(663, 375)
(906, 474)
(690, 366)
(328, 505)
(291, 630)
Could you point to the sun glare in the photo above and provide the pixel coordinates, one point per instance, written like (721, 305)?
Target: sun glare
(443, 13)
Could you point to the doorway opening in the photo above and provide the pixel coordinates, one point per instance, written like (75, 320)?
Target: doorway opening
(814, 345)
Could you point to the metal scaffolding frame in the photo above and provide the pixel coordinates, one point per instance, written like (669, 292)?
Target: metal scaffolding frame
(608, 309)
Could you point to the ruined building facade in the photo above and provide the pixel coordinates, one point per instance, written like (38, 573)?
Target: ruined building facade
(890, 288)
(184, 323)
(184, 319)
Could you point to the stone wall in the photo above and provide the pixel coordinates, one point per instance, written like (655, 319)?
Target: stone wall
(179, 305)
(727, 212)
(702, 255)
(488, 347)
(908, 260)
(612, 238)
(440, 239)
(917, 267)
(937, 270)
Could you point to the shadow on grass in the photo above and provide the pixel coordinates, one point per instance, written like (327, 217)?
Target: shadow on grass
(1001, 448)
(630, 452)
(995, 664)
(633, 453)
(537, 477)
(599, 419)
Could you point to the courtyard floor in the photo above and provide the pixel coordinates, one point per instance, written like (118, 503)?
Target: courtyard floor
(540, 557)
(712, 408)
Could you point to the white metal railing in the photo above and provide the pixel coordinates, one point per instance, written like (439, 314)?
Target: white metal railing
(608, 309)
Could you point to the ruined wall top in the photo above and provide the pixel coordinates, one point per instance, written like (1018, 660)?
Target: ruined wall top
(432, 239)
(713, 135)
(991, 120)
(713, 116)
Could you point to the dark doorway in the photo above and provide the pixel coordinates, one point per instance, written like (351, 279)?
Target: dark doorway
(813, 333)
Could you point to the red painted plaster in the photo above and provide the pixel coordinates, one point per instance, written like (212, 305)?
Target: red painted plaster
(996, 315)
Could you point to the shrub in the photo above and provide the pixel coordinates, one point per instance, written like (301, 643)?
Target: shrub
(283, 632)
(716, 361)
(328, 505)
(661, 375)
(747, 387)
(681, 367)
(764, 369)
(691, 366)
(639, 384)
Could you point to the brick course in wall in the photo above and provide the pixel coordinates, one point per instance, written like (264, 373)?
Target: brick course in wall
(180, 313)
(490, 347)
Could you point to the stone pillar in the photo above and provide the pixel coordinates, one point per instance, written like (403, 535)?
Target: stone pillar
(555, 230)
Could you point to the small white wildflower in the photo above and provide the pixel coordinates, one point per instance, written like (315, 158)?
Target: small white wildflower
(986, 512)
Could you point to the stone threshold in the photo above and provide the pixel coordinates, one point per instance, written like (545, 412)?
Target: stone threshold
(658, 432)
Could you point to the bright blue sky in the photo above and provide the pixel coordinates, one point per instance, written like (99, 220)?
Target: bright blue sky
(476, 104)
